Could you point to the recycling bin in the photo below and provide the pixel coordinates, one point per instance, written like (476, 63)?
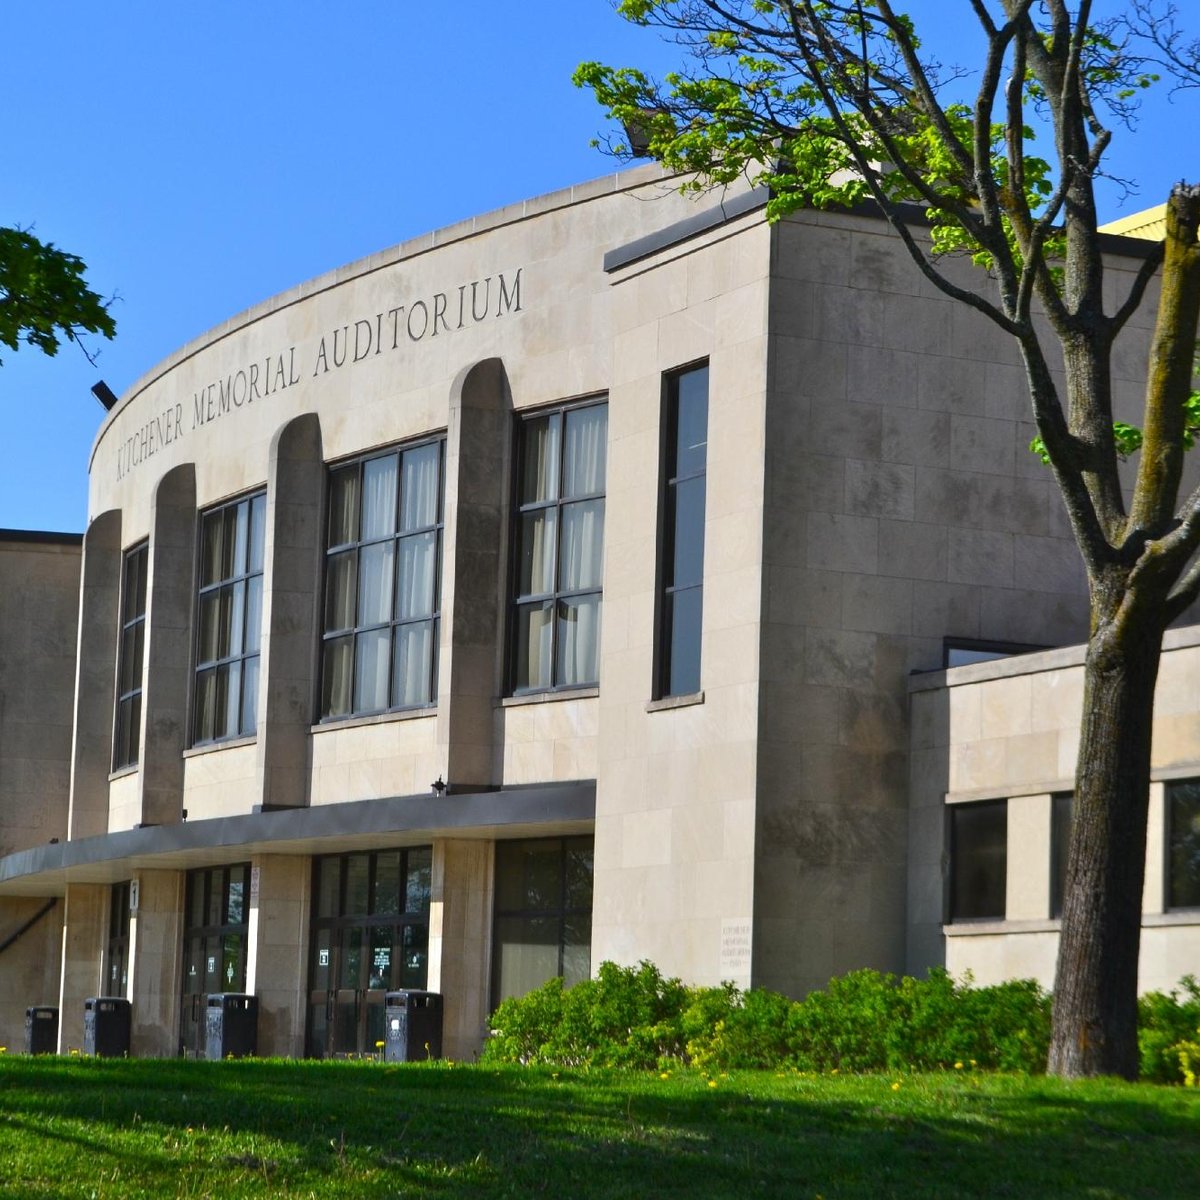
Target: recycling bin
(41, 1030)
(230, 1026)
(412, 1026)
(106, 1026)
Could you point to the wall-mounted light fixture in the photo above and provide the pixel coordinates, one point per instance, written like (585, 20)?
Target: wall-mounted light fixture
(104, 394)
(438, 787)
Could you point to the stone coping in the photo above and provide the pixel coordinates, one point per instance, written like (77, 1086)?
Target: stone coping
(1032, 663)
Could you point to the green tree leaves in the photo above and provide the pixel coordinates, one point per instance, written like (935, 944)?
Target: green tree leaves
(44, 296)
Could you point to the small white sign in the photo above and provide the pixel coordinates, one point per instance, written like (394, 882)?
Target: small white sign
(253, 885)
(212, 964)
(133, 896)
(322, 958)
(736, 941)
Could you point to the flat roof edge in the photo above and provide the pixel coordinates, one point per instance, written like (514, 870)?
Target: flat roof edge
(424, 815)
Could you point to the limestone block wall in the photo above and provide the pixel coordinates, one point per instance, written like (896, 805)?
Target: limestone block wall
(277, 952)
(1010, 730)
(460, 935)
(549, 738)
(675, 799)
(39, 607)
(902, 507)
(84, 935)
(377, 757)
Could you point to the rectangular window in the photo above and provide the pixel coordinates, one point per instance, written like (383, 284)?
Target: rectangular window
(978, 860)
(229, 625)
(559, 548)
(117, 976)
(681, 568)
(543, 914)
(127, 729)
(382, 572)
(1183, 844)
(1060, 845)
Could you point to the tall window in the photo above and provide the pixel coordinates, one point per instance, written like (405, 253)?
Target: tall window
(1183, 844)
(1060, 845)
(384, 548)
(230, 625)
(978, 860)
(543, 914)
(129, 658)
(681, 570)
(117, 979)
(559, 551)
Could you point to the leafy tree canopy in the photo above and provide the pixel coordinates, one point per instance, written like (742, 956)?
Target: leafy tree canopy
(44, 296)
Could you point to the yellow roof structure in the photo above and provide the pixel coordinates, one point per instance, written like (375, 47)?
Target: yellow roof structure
(1150, 224)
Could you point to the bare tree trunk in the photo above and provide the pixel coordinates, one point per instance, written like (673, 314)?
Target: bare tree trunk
(1094, 1028)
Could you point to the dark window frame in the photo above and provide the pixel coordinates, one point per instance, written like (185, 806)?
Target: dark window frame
(668, 523)
(518, 600)
(356, 545)
(560, 911)
(127, 713)
(216, 587)
(1180, 895)
(1060, 843)
(116, 962)
(987, 650)
(954, 914)
(212, 879)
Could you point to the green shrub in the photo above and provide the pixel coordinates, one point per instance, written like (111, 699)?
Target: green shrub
(523, 1026)
(1011, 1024)
(726, 1028)
(862, 1021)
(624, 1017)
(846, 1026)
(1167, 1020)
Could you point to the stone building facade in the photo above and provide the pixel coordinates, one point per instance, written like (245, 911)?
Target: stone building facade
(542, 591)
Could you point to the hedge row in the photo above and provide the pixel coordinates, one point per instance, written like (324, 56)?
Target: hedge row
(863, 1021)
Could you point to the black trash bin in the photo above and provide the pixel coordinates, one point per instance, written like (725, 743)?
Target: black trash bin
(413, 1026)
(41, 1029)
(230, 1026)
(106, 1025)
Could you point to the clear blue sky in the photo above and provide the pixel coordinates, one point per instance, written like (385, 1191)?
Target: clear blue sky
(203, 158)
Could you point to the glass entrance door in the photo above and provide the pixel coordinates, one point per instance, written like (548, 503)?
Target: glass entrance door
(370, 936)
(214, 946)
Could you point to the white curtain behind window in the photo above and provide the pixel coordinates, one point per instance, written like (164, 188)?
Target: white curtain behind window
(585, 451)
(379, 498)
(419, 493)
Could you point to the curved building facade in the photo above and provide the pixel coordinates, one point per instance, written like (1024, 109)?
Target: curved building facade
(538, 592)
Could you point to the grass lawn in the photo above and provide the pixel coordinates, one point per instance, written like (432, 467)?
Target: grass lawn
(107, 1128)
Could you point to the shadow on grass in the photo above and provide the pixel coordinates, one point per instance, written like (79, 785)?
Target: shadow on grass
(373, 1130)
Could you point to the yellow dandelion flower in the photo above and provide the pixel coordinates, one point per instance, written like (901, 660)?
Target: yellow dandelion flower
(958, 1066)
(895, 1087)
(712, 1083)
(665, 1075)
